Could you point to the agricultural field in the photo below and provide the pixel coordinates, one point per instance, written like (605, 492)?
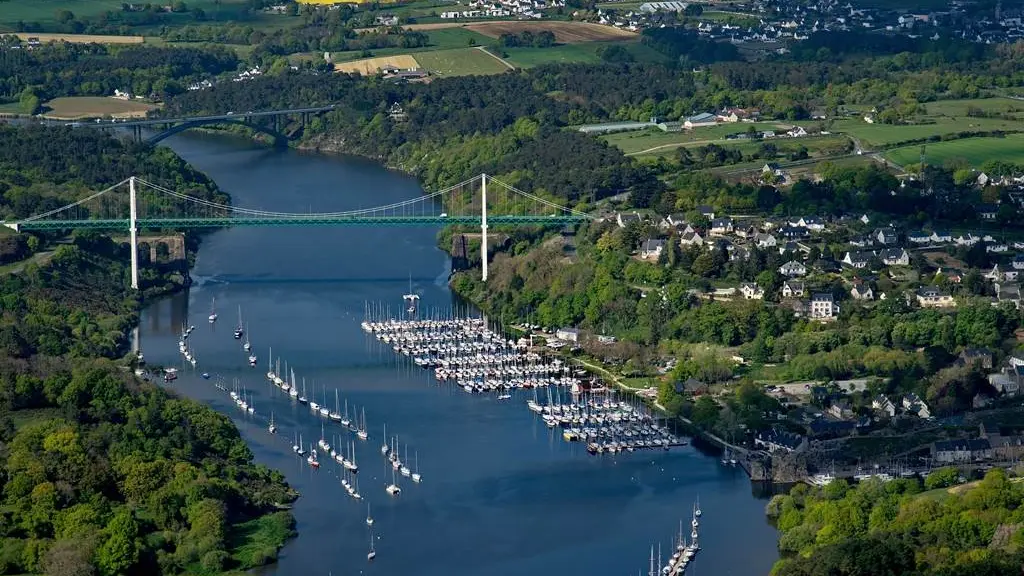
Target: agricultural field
(974, 150)
(577, 53)
(370, 66)
(653, 140)
(873, 135)
(78, 107)
(45, 11)
(958, 108)
(565, 32)
(82, 38)
(460, 62)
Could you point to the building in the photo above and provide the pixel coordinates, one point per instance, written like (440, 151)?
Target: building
(751, 291)
(792, 289)
(811, 223)
(932, 297)
(884, 405)
(765, 240)
(914, 406)
(861, 291)
(840, 410)
(1007, 381)
(858, 260)
(692, 238)
(824, 306)
(1008, 292)
(721, 226)
(652, 249)
(706, 211)
(774, 440)
(793, 269)
(919, 237)
(939, 237)
(953, 451)
(692, 387)
(677, 221)
(987, 211)
(568, 334)
(624, 219)
(702, 119)
(895, 257)
(885, 236)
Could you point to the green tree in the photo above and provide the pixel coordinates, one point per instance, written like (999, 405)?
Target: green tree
(120, 551)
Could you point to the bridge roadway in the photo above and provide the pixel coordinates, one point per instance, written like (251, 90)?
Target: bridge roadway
(282, 221)
(196, 119)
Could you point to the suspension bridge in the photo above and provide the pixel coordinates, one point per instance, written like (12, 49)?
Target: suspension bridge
(481, 200)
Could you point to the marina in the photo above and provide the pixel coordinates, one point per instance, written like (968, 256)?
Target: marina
(501, 492)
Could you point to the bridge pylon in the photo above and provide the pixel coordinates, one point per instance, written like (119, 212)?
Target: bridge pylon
(483, 226)
(133, 232)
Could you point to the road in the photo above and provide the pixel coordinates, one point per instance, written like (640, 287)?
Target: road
(496, 57)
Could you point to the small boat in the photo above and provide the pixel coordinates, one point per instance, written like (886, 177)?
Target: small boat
(372, 553)
(416, 475)
(213, 310)
(272, 428)
(403, 469)
(393, 488)
(302, 397)
(248, 345)
(696, 509)
(384, 448)
(239, 331)
(362, 434)
(335, 415)
(252, 405)
(295, 445)
(205, 375)
(301, 450)
(344, 418)
(369, 519)
(252, 360)
(311, 459)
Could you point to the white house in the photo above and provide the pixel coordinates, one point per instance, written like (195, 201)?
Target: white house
(885, 236)
(651, 248)
(884, 405)
(765, 240)
(862, 291)
(692, 238)
(751, 291)
(856, 259)
(623, 219)
(568, 334)
(919, 237)
(792, 289)
(939, 237)
(702, 119)
(824, 306)
(966, 240)
(895, 257)
(811, 223)
(792, 269)
(932, 297)
(721, 226)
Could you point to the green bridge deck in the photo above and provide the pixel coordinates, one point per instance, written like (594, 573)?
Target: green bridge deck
(282, 221)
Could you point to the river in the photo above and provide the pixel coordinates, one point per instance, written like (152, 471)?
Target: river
(502, 495)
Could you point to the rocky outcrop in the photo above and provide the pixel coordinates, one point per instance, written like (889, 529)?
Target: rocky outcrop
(779, 468)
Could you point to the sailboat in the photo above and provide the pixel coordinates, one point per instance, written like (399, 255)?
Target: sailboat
(313, 462)
(696, 509)
(323, 441)
(293, 390)
(248, 345)
(335, 415)
(372, 553)
(252, 405)
(324, 412)
(344, 418)
(238, 329)
(302, 397)
(362, 434)
(369, 519)
(503, 394)
(352, 459)
(301, 450)
(405, 469)
(416, 475)
(295, 444)
(270, 365)
(213, 310)
(393, 488)
(411, 298)
(384, 448)
(272, 428)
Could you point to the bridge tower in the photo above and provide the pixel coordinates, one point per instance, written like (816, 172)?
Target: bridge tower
(483, 226)
(133, 231)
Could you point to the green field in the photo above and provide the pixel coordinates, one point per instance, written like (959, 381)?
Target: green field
(974, 150)
(44, 11)
(460, 62)
(635, 142)
(958, 108)
(873, 135)
(585, 52)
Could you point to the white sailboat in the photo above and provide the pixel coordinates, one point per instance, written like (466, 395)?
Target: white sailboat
(301, 450)
(248, 345)
(272, 428)
(295, 444)
(403, 469)
(238, 329)
(416, 475)
(369, 519)
(293, 390)
(696, 509)
(302, 397)
(393, 488)
(335, 415)
(270, 365)
(213, 310)
(372, 553)
(362, 434)
(344, 417)
(384, 448)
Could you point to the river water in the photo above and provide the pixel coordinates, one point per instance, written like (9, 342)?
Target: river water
(502, 495)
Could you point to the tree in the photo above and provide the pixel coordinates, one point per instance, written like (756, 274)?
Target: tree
(120, 550)
(942, 478)
(69, 558)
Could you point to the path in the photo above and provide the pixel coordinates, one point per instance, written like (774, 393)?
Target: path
(496, 57)
(675, 145)
(39, 258)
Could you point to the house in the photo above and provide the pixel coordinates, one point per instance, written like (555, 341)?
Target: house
(884, 405)
(692, 238)
(792, 269)
(692, 387)
(1018, 262)
(765, 240)
(706, 211)
(857, 260)
(981, 357)
(721, 226)
(796, 132)
(895, 257)
(860, 241)
(651, 248)
(1007, 381)
(919, 237)
(932, 297)
(792, 289)
(822, 428)
(994, 274)
(774, 440)
(702, 119)
(624, 219)
(938, 237)
(840, 410)
(568, 334)
(862, 291)
(963, 450)
(675, 221)
(966, 240)
(824, 306)
(986, 211)
(794, 232)
(885, 236)
(913, 405)
(751, 291)
(1008, 292)
(811, 223)
(748, 232)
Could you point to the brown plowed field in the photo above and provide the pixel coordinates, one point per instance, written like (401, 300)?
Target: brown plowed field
(565, 32)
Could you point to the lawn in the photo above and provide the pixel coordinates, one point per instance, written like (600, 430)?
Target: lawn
(75, 107)
(646, 140)
(958, 108)
(460, 62)
(10, 108)
(974, 150)
(873, 135)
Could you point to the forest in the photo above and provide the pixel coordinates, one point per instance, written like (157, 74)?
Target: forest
(105, 474)
(898, 528)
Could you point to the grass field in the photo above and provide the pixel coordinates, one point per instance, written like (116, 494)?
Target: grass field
(974, 150)
(958, 108)
(44, 11)
(460, 62)
(83, 38)
(881, 134)
(577, 53)
(634, 142)
(565, 32)
(10, 108)
(370, 66)
(77, 107)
